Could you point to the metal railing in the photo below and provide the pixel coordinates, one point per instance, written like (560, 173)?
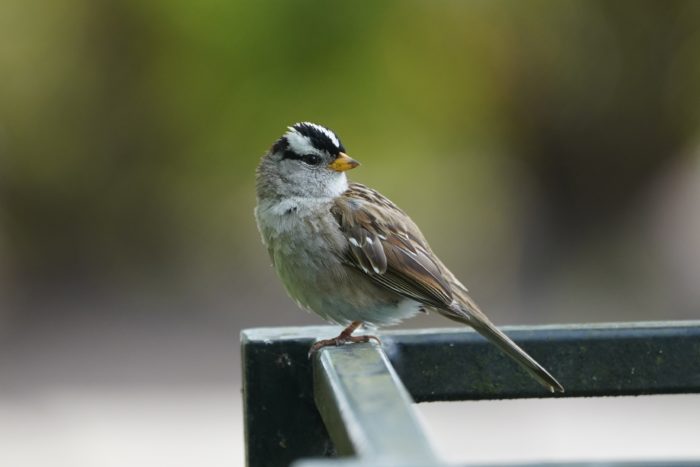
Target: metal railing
(354, 401)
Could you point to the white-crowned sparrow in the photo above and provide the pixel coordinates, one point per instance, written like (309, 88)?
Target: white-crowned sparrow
(349, 254)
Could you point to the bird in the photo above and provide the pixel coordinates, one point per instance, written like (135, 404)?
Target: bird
(349, 254)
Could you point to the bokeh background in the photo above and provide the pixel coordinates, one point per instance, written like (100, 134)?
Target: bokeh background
(549, 150)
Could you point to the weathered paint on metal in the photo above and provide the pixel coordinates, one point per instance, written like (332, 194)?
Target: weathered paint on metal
(365, 407)
(281, 420)
(283, 423)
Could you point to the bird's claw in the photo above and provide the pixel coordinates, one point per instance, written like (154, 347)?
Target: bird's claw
(341, 340)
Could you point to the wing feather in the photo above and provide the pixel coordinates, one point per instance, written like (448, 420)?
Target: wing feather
(387, 246)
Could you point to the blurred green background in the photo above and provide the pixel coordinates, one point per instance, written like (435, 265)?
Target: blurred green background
(548, 149)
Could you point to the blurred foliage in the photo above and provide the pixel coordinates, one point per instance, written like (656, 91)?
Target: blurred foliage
(129, 131)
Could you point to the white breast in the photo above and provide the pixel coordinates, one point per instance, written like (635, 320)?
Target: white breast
(291, 219)
(303, 239)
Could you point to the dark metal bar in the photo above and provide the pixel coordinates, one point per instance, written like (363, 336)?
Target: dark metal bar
(281, 420)
(359, 463)
(589, 360)
(365, 407)
(283, 424)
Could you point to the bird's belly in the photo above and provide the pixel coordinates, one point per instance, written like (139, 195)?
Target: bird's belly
(338, 293)
(304, 254)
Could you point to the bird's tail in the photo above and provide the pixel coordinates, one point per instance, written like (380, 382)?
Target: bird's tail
(471, 315)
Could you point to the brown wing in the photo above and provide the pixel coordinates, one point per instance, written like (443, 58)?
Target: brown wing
(387, 246)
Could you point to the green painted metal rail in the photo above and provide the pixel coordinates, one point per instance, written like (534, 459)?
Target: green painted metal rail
(366, 409)
(353, 401)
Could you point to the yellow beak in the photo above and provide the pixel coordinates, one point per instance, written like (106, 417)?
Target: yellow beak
(342, 163)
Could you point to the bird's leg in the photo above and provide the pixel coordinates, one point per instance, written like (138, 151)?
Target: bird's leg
(344, 337)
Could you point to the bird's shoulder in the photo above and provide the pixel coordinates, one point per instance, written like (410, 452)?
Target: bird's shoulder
(363, 193)
(363, 207)
(384, 243)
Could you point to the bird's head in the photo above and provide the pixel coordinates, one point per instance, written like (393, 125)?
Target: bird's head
(308, 160)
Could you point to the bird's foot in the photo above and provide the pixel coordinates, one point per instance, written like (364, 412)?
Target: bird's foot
(343, 338)
(340, 340)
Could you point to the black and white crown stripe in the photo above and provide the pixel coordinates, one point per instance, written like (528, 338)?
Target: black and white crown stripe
(310, 138)
(311, 129)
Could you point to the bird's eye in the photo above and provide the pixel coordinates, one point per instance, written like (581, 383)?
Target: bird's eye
(308, 159)
(311, 159)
